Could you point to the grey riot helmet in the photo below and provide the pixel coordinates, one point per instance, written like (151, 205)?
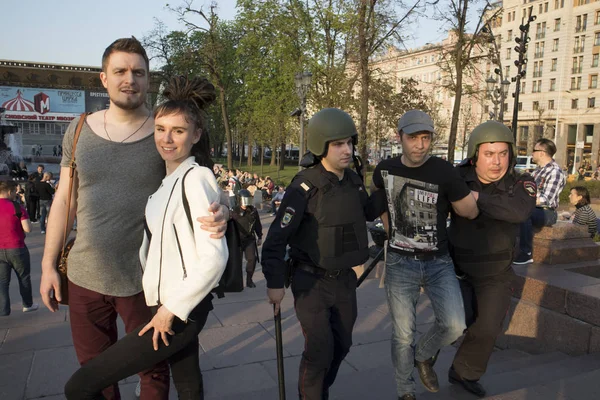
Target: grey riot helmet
(327, 125)
(491, 132)
(245, 198)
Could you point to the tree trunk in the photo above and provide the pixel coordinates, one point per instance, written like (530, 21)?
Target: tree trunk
(262, 161)
(364, 78)
(226, 125)
(273, 155)
(250, 150)
(282, 162)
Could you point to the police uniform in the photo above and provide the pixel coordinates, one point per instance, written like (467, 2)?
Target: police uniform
(322, 218)
(250, 228)
(482, 250)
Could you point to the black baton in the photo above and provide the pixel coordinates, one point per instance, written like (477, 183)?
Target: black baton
(377, 258)
(279, 347)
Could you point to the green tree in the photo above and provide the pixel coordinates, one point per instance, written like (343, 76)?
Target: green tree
(461, 57)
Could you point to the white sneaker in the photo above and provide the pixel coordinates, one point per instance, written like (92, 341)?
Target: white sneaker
(32, 308)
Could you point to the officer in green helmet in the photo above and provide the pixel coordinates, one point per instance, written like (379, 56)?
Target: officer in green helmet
(482, 248)
(322, 218)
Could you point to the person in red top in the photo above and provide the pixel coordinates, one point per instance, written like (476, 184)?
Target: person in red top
(14, 222)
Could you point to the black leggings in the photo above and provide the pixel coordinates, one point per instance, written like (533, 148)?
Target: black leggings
(134, 353)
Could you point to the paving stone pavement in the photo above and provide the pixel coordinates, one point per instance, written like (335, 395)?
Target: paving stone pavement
(237, 345)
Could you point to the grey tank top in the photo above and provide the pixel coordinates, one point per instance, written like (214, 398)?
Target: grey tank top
(115, 180)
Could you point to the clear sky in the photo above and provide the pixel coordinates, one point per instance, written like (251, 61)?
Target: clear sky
(78, 31)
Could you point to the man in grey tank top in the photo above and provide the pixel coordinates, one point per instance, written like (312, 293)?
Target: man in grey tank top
(118, 167)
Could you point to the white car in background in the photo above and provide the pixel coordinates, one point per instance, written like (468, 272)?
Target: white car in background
(525, 164)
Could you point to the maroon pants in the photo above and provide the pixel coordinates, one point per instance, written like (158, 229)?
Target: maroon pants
(94, 328)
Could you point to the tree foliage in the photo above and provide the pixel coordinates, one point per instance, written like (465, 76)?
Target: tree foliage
(253, 59)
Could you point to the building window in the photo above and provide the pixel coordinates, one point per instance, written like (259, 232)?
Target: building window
(581, 23)
(552, 84)
(520, 106)
(557, 25)
(591, 102)
(593, 81)
(595, 60)
(509, 36)
(555, 45)
(536, 105)
(597, 39)
(597, 19)
(540, 9)
(546, 7)
(508, 53)
(553, 64)
(507, 70)
(523, 87)
(550, 104)
(574, 104)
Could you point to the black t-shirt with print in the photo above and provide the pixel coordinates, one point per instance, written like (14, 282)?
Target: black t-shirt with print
(418, 202)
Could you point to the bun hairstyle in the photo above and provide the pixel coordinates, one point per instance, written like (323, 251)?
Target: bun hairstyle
(190, 97)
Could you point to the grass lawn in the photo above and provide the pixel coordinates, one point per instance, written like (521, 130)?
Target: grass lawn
(283, 177)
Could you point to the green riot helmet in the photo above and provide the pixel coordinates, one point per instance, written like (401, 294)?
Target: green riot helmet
(327, 125)
(245, 198)
(490, 132)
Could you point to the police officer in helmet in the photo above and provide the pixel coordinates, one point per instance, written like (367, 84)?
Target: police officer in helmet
(482, 248)
(248, 222)
(322, 217)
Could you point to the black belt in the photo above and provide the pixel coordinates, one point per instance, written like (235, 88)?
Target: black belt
(321, 271)
(416, 257)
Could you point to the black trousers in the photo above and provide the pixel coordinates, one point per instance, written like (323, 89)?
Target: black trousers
(32, 208)
(134, 353)
(326, 309)
(486, 304)
(250, 251)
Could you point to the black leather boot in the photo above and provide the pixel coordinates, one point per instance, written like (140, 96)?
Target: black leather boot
(249, 282)
(470, 386)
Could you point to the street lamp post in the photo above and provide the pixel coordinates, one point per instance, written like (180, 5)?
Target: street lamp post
(497, 95)
(521, 49)
(303, 80)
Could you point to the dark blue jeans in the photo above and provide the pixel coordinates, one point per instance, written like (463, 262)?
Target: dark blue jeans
(44, 211)
(17, 259)
(539, 217)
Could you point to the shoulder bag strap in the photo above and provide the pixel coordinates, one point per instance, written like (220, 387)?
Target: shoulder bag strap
(186, 204)
(72, 166)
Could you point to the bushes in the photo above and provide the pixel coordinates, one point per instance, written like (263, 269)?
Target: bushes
(592, 186)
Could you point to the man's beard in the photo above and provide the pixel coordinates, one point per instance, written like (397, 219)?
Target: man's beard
(129, 105)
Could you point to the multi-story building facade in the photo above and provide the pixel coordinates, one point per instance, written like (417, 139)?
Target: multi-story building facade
(560, 87)
(426, 66)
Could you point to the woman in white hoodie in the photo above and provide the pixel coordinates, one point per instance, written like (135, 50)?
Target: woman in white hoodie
(181, 263)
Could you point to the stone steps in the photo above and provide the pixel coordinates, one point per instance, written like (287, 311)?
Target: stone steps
(581, 387)
(539, 371)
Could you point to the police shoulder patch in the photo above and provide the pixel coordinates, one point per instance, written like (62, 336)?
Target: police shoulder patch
(304, 186)
(288, 216)
(530, 188)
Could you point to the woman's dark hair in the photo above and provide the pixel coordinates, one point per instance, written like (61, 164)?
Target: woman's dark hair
(190, 97)
(584, 193)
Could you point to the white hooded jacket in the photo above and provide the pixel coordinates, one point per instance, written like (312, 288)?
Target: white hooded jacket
(181, 266)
